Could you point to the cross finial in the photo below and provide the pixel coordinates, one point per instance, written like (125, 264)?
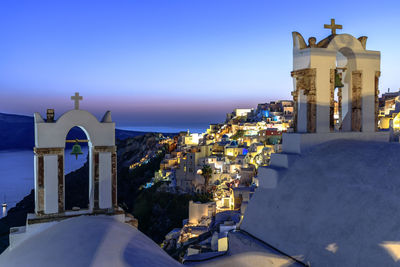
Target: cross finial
(76, 98)
(333, 26)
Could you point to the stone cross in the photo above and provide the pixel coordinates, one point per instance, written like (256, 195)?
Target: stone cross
(76, 98)
(333, 26)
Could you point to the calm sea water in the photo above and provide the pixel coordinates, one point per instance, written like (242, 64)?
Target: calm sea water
(166, 129)
(16, 166)
(16, 173)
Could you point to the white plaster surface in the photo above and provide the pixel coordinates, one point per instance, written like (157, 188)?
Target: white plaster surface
(197, 210)
(50, 184)
(282, 160)
(338, 205)
(30, 230)
(16, 235)
(91, 172)
(54, 134)
(268, 177)
(324, 59)
(302, 113)
(88, 241)
(35, 182)
(105, 180)
(244, 251)
(298, 143)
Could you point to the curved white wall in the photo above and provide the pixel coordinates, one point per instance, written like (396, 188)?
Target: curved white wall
(54, 134)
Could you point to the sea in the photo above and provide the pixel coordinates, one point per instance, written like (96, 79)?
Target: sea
(17, 176)
(166, 129)
(16, 166)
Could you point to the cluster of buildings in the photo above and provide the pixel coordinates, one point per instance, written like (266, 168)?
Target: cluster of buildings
(223, 162)
(389, 111)
(279, 113)
(228, 154)
(204, 233)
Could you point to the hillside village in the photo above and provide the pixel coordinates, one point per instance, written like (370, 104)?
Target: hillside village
(227, 156)
(308, 181)
(389, 111)
(223, 163)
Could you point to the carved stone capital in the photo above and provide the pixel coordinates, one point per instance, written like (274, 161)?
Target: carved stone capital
(377, 75)
(356, 101)
(332, 99)
(305, 80)
(48, 151)
(111, 149)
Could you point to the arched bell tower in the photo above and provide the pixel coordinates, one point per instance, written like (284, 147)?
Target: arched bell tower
(318, 69)
(50, 138)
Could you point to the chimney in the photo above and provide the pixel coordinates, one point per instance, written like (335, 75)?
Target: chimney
(50, 115)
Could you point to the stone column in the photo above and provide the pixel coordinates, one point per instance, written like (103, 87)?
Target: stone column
(39, 208)
(61, 190)
(356, 101)
(332, 100)
(295, 95)
(311, 110)
(114, 179)
(96, 158)
(305, 80)
(96, 179)
(340, 107)
(377, 75)
(40, 153)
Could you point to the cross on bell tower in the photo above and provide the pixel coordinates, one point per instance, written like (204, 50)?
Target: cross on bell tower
(76, 98)
(333, 26)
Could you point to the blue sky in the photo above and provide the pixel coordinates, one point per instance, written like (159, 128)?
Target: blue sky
(171, 63)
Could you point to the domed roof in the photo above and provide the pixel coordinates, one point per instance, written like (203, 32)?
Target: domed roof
(87, 241)
(337, 204)
(332, 40)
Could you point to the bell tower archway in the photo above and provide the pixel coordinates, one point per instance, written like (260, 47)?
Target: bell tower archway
(76, 162)
(49, 149)
(316, 67)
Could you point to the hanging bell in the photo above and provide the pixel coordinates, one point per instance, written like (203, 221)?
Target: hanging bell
(76, 150)
(338, 79)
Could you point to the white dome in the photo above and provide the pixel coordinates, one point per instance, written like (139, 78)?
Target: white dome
(338, 205)
(87, 241)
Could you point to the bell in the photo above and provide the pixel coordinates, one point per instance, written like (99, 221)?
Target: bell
(76, 150)
(338, 79)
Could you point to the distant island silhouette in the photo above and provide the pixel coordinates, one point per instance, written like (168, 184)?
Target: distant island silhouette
(17, 132)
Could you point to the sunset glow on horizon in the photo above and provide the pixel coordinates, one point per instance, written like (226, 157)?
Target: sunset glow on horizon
(169, 63)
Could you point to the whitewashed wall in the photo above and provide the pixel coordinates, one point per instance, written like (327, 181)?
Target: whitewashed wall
(105, 180)
(50, 184)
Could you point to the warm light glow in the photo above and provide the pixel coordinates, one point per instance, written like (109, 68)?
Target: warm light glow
(333, 247)
(256, 259)
(4, 211)
(393, 248)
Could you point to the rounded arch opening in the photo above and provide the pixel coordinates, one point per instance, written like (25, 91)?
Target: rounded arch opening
(76, 170)
(345, 65)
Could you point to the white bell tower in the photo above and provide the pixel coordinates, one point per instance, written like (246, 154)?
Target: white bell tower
(315, 68)
(50, 141)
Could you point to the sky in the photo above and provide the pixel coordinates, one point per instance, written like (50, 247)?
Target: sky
(171, 63)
